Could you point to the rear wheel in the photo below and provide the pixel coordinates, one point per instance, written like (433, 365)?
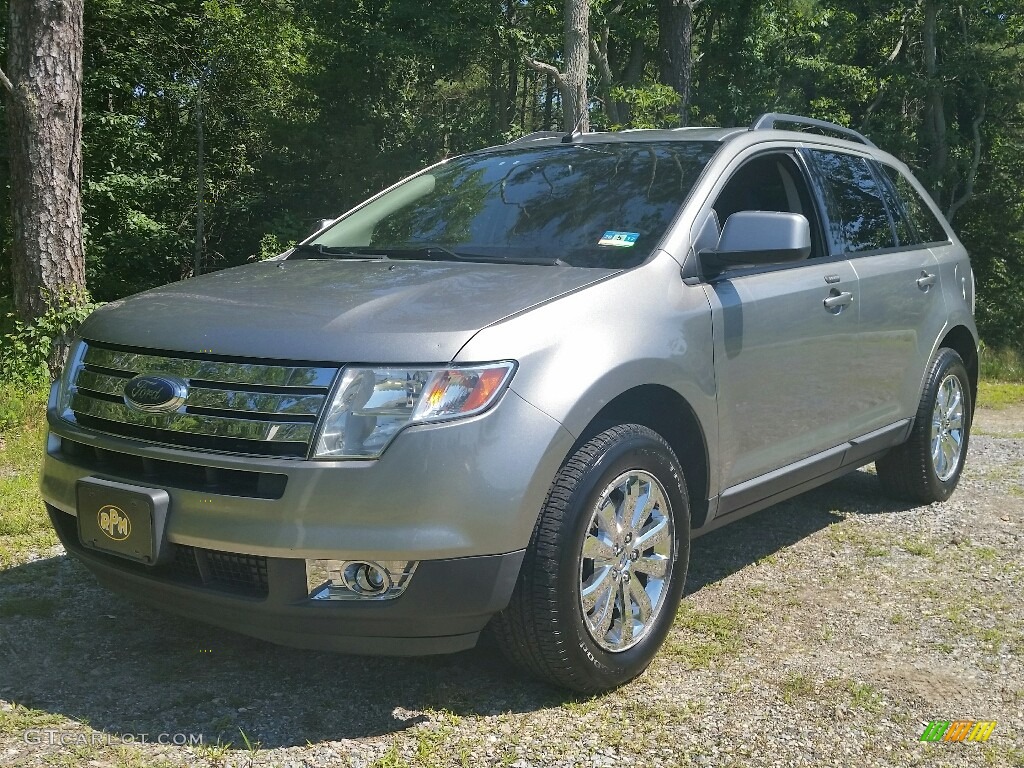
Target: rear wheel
(605, 568)
(927, 466)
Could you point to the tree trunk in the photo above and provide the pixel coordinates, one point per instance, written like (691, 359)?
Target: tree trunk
(44, 129)
(577, 64)
(511, 96)
(675, 54)
(197, 257)
(549, 99)
(572, 81)
(512, 69)
(935, 111)
(606, 80)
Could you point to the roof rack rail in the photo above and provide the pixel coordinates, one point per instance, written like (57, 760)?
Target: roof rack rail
(767, 121)
(538, 135)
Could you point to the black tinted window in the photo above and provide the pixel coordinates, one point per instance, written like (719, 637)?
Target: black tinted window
(858, 220)
(590, 205)
(928, 228)
(904, 231)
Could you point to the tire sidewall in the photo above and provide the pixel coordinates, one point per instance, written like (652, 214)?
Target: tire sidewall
(606, 669)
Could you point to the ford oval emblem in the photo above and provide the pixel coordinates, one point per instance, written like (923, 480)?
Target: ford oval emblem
(156, 392)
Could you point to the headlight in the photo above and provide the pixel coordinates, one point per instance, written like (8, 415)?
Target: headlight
(66, 388)
(371, 405)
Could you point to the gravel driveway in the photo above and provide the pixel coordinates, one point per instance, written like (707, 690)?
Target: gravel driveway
(827, 630)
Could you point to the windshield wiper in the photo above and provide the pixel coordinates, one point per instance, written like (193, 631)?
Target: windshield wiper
(439, 252)
(312, 250)
(426, 251)
(541, 260)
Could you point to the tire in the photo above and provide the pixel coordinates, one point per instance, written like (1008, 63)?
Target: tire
(545, 629)
(926, 468)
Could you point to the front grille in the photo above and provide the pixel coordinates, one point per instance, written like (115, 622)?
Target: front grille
(232, 406)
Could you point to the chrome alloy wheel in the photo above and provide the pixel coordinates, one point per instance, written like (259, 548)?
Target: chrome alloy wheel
(947, 427)
(626, 560)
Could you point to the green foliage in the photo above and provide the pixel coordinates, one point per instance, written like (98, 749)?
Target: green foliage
(1001, 364)
(26, 350)
(1000, 394)
(23, 524)
(271, 245)
(308, 106)
(651, 105)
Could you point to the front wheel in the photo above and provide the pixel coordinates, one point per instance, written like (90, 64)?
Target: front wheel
(927, 466)
(605, 568)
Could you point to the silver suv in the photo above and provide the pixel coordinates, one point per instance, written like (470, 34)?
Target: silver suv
(510, 389)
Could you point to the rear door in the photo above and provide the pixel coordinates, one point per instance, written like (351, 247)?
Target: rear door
(900, 299)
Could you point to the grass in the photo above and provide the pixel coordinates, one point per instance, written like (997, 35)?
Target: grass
(1000, 395)
(797, 686)
(864, 696)
(1002, 378)
(918, 547)
(707, 636)
(18, 719)
(23, 522)
(1005, 364)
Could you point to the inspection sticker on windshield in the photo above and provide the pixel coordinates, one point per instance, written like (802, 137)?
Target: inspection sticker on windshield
(619, 239)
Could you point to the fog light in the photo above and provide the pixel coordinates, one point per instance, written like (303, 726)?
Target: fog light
(358, 579)
(366, 579)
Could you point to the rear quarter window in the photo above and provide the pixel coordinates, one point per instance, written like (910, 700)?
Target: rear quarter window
(927, 228)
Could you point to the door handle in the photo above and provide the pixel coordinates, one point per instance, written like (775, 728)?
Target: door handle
(838, 299)
(926, 280)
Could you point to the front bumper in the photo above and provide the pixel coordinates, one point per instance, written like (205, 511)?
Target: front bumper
(458, 489)
(444, 609)
(461, 498)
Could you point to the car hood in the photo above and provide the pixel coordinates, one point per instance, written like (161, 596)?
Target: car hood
(337, 311)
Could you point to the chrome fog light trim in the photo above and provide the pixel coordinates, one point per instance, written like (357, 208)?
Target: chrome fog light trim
(358, 579)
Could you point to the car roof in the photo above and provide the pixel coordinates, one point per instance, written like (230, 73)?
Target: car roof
(543, 138)
(808, 131)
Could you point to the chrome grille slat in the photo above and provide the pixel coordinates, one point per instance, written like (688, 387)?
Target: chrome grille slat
(212, 370)
(195, 424)
(222, 399)
(255, 402)
(232, 407)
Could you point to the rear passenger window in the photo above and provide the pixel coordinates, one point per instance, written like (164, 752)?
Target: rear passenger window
(905, 235)
(858, 220)
(928, 229)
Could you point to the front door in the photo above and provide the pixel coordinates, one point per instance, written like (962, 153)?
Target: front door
(783, 364)
(785, 337)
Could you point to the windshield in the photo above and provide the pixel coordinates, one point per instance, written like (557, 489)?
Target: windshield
(587, 205)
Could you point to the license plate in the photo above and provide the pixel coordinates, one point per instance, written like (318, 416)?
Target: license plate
(123, 520)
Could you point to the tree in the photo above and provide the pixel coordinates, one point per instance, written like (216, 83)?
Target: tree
(572, 82)
(43, 85)
(307, 106)
(675, 49)
(618, 48)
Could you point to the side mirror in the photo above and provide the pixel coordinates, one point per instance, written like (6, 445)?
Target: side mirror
(318, 225)
(756, 238)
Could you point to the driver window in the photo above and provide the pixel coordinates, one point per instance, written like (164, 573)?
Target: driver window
(771, 182)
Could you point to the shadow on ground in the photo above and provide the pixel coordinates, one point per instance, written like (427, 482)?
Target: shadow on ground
(72, 648)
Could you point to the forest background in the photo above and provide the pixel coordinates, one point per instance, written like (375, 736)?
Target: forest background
(260, 117)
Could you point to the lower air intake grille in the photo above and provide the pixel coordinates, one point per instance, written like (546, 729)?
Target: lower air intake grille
(229, 572)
